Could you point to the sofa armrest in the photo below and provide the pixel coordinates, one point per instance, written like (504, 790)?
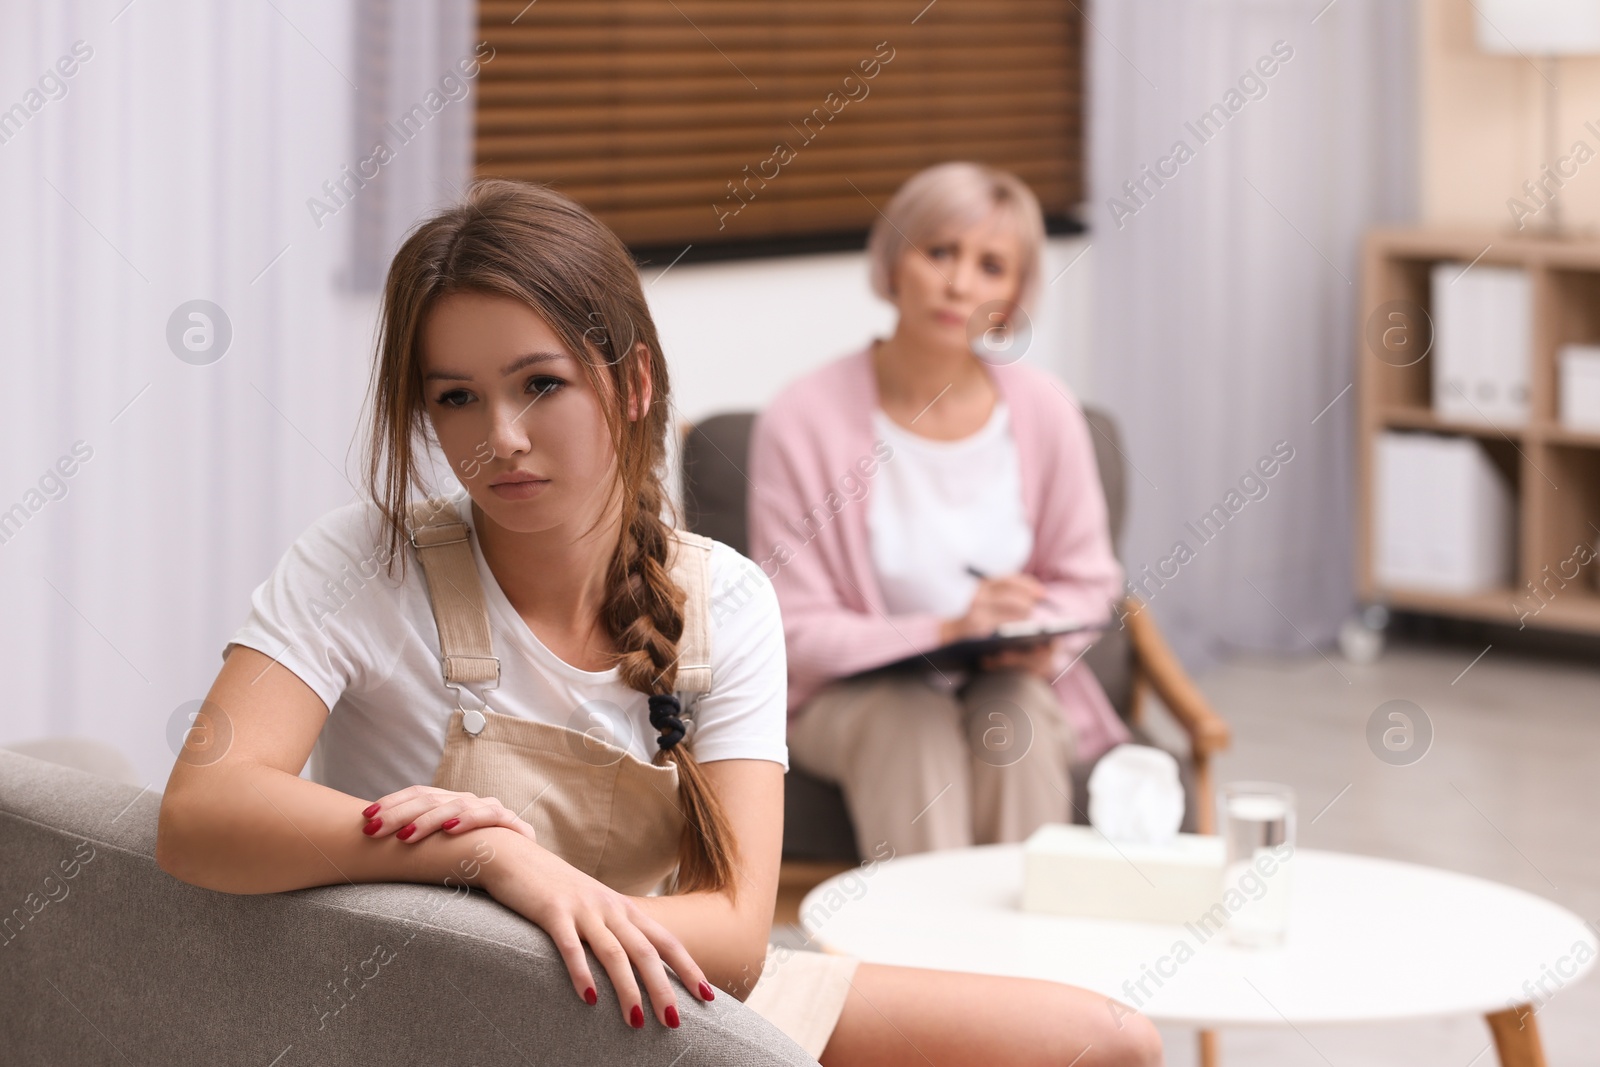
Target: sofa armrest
(121, 962)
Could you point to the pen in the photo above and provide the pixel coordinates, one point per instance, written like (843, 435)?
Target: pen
(1044, 595)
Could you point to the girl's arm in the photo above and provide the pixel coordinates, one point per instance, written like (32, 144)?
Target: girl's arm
(727, 933)
(237, 817)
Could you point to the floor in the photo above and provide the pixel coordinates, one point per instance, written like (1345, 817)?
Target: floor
(1508, 790)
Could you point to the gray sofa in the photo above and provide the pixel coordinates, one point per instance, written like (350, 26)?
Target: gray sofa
(109, 960)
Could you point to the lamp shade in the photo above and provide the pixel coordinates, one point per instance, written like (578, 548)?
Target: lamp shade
(1539, 27)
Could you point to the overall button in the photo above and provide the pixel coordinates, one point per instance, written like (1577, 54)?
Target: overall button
(474, 722)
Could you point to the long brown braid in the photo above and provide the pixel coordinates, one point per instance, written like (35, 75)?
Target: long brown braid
(545, 250)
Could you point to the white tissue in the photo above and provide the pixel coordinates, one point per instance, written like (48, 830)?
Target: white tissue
(1135, 796)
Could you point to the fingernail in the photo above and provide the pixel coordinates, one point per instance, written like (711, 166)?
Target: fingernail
(705, 991)
(672, 1016)
(450, 824)
(370, 811)
(636, 1018)
(406, 831)
(589, 997)
(372, 827)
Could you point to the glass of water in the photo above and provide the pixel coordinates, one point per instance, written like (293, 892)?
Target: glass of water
(1257, 823)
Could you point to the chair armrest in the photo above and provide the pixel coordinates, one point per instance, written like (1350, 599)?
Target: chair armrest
(118, 955)
(1155, 663)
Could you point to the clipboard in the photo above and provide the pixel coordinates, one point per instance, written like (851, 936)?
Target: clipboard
(965, 653)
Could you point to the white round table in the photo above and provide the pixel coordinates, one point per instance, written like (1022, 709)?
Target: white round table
(1369, 939)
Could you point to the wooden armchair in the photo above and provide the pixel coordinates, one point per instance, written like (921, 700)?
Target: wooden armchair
(1130, 662)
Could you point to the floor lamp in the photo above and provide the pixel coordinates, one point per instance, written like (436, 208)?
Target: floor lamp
(1546, 30)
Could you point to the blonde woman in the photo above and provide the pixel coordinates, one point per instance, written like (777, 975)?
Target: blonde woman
(926, 488)
(517, 343)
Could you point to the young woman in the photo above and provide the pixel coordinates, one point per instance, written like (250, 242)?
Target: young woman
(980, 504)
(517, 342)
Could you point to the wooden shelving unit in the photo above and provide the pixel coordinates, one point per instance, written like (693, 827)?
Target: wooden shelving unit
(1554, 471)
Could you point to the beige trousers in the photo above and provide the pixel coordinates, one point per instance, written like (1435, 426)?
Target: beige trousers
(924, 767)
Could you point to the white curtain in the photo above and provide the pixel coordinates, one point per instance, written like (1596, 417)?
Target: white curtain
(176, 162)
(1226, 293)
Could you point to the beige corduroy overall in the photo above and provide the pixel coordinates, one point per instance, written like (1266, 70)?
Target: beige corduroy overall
(599, 807)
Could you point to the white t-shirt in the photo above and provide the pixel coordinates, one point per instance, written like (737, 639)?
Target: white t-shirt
(367, 644)
(938, 506)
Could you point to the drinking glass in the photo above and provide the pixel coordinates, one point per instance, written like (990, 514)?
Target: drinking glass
(1257, 821)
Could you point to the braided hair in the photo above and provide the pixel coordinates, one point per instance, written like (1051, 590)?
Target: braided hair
(643, 611)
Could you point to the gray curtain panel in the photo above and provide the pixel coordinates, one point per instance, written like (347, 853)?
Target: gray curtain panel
(416, 83)
(1239, 149)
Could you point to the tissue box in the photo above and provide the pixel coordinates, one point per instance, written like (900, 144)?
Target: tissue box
(1073, 870)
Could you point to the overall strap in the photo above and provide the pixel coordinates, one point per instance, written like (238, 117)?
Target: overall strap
(691, 568)
(443, 546)
(462, 616)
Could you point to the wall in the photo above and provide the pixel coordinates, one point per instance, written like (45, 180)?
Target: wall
(1483, 125)
(735, 333)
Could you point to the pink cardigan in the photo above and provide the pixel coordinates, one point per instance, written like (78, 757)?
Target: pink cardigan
(812, 461)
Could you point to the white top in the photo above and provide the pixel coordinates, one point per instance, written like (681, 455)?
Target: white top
(1368, 939)
(938, 506)
(368, 646)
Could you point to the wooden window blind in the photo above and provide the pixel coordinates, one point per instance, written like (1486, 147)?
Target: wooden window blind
(739, 124)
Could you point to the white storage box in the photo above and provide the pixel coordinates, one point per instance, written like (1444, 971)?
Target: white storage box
(1074, 870)
(1482, 343)
(1444, 515)
(1578, 387)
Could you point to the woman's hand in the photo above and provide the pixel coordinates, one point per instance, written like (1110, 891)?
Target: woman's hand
(418, 810)
(1007, 598)
(573, 909)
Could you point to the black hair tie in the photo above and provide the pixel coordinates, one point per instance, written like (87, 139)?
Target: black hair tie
(666, 715)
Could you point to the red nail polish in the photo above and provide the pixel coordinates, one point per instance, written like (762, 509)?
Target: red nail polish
(405, 832)
(450, 824)
(705, 991)
(369, 811)
(672, 1016)
(372, 827)
(589, 997)
(636, 1018)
